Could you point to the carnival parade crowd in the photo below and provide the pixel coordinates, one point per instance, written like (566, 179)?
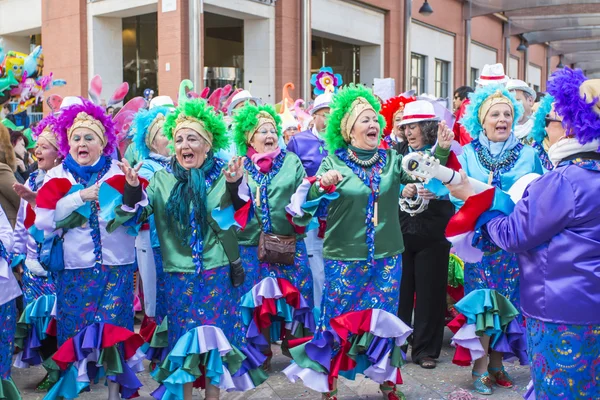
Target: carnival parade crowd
(327, 228)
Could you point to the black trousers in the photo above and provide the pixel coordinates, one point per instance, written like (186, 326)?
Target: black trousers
(424, 273)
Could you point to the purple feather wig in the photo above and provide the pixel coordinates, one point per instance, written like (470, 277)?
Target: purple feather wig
(48, 120)
(578, 114)
(68, 115)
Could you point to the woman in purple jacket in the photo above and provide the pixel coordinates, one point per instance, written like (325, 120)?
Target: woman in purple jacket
(555, 229)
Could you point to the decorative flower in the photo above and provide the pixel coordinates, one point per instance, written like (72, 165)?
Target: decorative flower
(324, 78)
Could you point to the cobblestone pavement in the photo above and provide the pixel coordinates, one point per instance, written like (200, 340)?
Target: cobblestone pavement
(419, 383)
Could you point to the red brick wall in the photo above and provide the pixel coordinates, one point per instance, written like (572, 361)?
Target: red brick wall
(288, 47)
(64, 39)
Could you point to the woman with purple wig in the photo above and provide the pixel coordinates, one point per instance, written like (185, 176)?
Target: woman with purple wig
(555, 231)
(94, 283)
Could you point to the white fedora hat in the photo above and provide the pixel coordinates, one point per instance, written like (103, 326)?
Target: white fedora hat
(492, 74)
(240, 97)
(517, 84)
(322, 101)
(158, 101)
(417, 111)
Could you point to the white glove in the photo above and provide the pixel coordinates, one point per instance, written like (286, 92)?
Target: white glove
(35, 267)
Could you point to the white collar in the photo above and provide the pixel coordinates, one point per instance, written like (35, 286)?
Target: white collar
(569, 146)
(522, 131)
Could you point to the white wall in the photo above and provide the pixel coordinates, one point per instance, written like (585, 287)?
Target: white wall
(481, 55)
(105, 52)
(534, 75)
(339, 20)
(259, 57)
(344, 20)
(513, 68)
(432, 44)
(22, 17)
(16, 43)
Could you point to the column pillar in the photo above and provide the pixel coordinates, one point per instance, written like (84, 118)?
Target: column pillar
(291, 42)
(173, 47)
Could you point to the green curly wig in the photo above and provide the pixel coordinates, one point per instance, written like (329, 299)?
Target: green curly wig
(213, 122)
(340, 106)
(246, 119)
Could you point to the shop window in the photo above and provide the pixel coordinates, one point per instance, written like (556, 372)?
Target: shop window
(474, 76)
(223, 51)
(417, 73)
(442, 78)
(140, 54)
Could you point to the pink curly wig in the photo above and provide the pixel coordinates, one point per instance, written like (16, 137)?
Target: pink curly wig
(68, 115)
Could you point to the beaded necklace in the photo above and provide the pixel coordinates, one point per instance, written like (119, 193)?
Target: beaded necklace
(499, 164)
(371, 177)
(196, 236)
(543, 155)
(94, 223)
(262, 184)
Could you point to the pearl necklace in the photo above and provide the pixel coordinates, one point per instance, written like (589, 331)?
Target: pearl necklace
(365, 164)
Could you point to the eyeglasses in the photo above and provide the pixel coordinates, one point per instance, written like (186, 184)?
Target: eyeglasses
(549, 120)
(322, 115)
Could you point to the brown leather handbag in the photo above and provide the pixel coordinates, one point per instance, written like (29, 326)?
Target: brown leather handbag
(277, 249)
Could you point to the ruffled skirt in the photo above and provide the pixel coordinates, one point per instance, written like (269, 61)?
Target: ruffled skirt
(358, 331)
(95, 332)
(205, 336)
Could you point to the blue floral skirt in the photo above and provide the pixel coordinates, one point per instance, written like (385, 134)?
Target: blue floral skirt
(8, 325)
(35, 286)
(356, 286)
(298, 274)
(565, 360)
(99, 294)
(498, 271)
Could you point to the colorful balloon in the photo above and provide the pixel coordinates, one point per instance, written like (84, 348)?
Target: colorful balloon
(8, 82)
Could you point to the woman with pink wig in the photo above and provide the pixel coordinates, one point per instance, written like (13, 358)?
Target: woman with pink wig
(94, 281)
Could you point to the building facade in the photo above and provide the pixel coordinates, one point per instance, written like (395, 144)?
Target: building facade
(262, 44)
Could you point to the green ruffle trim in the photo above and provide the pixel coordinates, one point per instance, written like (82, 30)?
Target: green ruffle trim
(359, 346)
(8, 390)
(160, 337)
(52, 370)
(456, 271)
(210, 360)
(488, 309)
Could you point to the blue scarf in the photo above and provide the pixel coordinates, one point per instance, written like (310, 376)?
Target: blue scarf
(497, 148)
(83, 174)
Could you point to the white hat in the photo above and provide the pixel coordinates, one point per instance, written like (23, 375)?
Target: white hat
(242, 96)
(161, 101)
(322, 101)
(417, 111)
(69, 101)
(492, 74)
(517, 84)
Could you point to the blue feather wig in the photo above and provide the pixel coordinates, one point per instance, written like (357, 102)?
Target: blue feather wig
(538, 131)
(471, 118)
(141, 123)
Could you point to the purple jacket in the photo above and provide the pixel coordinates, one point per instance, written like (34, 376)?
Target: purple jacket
(555, 229)
(310, 149)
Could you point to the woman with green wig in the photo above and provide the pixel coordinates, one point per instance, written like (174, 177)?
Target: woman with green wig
(202, 271)
(357, 187)
(272, 248)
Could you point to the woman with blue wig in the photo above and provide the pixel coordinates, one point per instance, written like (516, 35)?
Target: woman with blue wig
(489, 319)
(546, 131)
(555, 230)
(154, 153)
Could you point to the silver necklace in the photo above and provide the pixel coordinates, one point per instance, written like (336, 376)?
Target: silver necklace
(365, 164)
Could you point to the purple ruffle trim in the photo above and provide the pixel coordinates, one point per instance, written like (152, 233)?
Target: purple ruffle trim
(513, 343)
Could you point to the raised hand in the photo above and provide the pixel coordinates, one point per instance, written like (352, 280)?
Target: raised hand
(131, 173)
(25, 193)
(332, 177)
(234, 170)
(445, 135)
